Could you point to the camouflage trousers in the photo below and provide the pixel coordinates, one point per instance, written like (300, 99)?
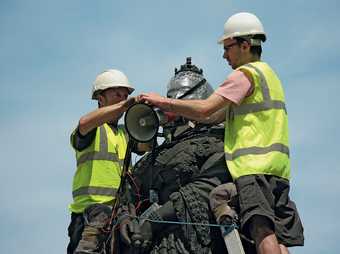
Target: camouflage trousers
(86, 230)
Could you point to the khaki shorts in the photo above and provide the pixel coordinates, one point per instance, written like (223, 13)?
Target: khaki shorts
(268, 196)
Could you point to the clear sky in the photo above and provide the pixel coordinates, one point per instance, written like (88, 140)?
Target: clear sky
(51, 51)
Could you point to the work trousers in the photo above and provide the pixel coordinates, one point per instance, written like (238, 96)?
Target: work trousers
(86, 230)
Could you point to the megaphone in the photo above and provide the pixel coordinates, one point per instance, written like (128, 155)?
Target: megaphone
(142, 122)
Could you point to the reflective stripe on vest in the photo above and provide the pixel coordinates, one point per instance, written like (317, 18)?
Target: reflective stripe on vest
(98, 156)
(238, 148)
(257, 107)
(95, 191)
(257, 150)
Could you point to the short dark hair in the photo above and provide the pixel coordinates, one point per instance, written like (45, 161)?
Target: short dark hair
(255, 50)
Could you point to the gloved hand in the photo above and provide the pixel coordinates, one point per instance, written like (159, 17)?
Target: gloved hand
(128, 224)
(228, 219)
(223, 203)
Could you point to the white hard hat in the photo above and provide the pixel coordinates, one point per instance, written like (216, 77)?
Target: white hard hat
(242, 24)
(109, 79)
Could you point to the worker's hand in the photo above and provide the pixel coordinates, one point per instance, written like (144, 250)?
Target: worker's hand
(128, 224)
(129, 102)
(126, 229)
(135, 235)
(155, 100)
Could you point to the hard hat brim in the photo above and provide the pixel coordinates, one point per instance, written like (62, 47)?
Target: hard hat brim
(95, 93)
(224, 37)
(221, 40)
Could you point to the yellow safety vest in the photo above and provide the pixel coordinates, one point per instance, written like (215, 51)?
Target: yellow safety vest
(256, 132)
(99, 168)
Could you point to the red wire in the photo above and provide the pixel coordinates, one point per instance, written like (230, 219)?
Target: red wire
(136, 188)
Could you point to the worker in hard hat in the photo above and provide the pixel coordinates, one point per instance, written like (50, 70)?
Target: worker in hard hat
(100, 145)
(252, 104)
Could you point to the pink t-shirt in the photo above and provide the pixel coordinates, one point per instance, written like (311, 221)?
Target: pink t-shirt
(235, 88)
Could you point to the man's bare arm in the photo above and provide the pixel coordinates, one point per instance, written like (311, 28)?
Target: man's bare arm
(103, 115)
(191, 109)
(216, 118)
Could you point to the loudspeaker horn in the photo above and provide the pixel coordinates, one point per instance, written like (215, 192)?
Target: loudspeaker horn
(142, 122)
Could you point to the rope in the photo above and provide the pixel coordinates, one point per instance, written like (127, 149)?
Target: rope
(228, 228)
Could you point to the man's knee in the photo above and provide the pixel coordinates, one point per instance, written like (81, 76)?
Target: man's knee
(260, 227)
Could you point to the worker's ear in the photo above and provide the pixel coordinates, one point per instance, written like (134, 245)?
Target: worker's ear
(101, 100)
(245, 45)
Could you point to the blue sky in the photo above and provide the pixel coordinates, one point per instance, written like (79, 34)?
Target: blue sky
(51, 51)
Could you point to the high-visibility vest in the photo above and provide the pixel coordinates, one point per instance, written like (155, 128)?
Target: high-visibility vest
(99, 168)
(256, 132)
